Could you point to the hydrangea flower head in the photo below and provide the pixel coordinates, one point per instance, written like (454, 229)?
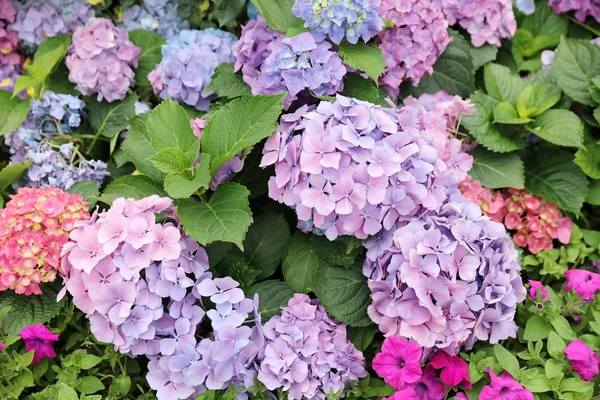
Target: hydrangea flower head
(37, 20)
(8, 37)
(188, 62)
(339, 19)
(34, 227)
(412, 46)
(399, 362)
(446, 280)
(584, 360)
(582, 8)
(491, 201)
(487, 21)
(100, 60)
(349, 167)
(504, 387)
(584, 283)
(39, 339)
(159, 16)
(306, 353)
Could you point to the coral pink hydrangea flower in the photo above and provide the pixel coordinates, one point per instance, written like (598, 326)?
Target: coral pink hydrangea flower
(455, 370)
(584, 360)
(39, 339)
(398, 363)
(584, 283)
(534, 286)
(504, 387)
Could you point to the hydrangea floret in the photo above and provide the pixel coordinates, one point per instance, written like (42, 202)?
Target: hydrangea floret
(188, 62)
(447, 280)
(100, 60)
(10, 59)
(582, 8)
(34, 227)
(159, 16)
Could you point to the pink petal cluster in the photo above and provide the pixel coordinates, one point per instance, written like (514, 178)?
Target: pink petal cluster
(34, 227)
(455, 370)
(446, 279)
(582, 8)
(306, 353)
(39, 339)
(100, 60)
(487, 21)
(584, 283)
(10, 59)
(504, 387)
(412, 46)
(349, 167)
(536, 221)
(584, 360)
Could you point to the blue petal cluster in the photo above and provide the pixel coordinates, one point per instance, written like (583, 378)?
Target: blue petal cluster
(159, 16)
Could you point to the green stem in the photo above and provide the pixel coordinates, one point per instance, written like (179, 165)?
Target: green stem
(589, 28)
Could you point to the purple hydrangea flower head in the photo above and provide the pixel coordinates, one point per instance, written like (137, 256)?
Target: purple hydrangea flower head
(349, 167)
(100, 60)
(448, 279)
(159, 16)
(487, 21)
(336, 19)
(582, 8)
(10, 69)
(8, 37)
(412, 46)
(306, 353)
(37, 20)
(189, 60)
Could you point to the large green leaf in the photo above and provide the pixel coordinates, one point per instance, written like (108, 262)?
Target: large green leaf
(238, 268)
(361, 337)
(588, 158)
(507, 360)
(483, 55)
(575, 62)
(535, 99)
(11, 173)
(272, 296)
(593, 196)
(89, 190)
(365, 58)
(278, 14)
(13, 112)
(357, 87)
(502, 84)
(109, 119)
(132, 186)
(301, 264)
(495, 170)
(180, 186)
(168, 126)
(545, 22)
(266, 242)
(560, 127)
(226, 83)
(225, 217)
(138, 149)
(151, 44)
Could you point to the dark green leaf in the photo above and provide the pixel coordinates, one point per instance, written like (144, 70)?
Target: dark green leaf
(559, 127)
(151, 44)
(266, 242)
(238, 268)
(272, 296)
(502, 84)
(89, 190)
(228, 10)
(483, 55)
(496, 170)
(301, 264)
(110, 119)
(593, 196)
(343, 251)
(588, 158)
(362, 337)
(226, 83)
(575, 62)
(357, 87)
(132, 186)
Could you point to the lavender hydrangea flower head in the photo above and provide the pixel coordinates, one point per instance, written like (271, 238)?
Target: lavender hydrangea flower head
(306, 353)
(447, 280)
(582, 8)
(336, 19)
(37, 20)
(159, 16)
(100, 60)
(355, 168)
(189, 60)
(412, 46)
(487, 21)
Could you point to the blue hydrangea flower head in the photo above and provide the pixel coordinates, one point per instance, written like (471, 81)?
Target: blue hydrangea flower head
(56, 112)
(159, 16)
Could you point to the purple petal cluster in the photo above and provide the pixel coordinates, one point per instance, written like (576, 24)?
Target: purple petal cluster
(349, 167)
(37, 20)
(412, 46)
(100, 60)
(306, 353)
(446, 279)
(188, 62)
(10, 59)
(159, 16)
(582, 8)
(336, 19)
(487, 21)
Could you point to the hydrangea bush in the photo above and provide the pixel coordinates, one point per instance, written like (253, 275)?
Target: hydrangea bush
(300, 199)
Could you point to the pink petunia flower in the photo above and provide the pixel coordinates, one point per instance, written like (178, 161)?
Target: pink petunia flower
(398, 363)
(584, 283)
(504, 387)
(455, 370)
(39, 339)
(428, 387)
(584, 360)
(534, 286)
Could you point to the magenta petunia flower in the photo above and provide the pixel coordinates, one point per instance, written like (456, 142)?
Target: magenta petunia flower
(455, 370)
(406, 393)
(584, 360)
(504, 387)
(428, 387)
(39, 339)
(398, 363)
(534, 286)
(584, 283)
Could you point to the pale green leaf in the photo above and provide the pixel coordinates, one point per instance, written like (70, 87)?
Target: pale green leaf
(182, 186)
(365, 58)
(501, 83)
(559, 127)
(278, 14)
(575, 62)
(505, 113)
(171, 160)
(535, 99)
(13, 112)
(556, 346)
(536, 328)
(168, 125)
(138, 149)
(12, 173)
(507, 360)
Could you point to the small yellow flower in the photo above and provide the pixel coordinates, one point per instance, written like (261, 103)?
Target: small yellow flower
(120, 16)
(6, 51)
(27, 62)
(204, 5)
(5, 82)
(31, 91)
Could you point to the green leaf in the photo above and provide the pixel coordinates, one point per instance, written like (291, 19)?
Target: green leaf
(238, 125)
(536, 99)
(501, 83)
(365, 58)
(537, 328)
(495, 170)
(65, 392)
(226, 83)
(483, 55)
(593, 195)
(553, 176)
(238, 268)
(562, 327)
(89, 361)
(575, 385)
(588, 158)
(226, 217)
(110, 119)
(29, 310)
(272, 296)
(228, 10)
(344, 293)
(266, 242)
(168, 126)
(559, 127)
(539, 383)
(13, 112)
(151, 44)
(505, 113)
(575, 62)
(138, 149)
(47, 60)
(278, 14)
(357, 87)
(132, 186)
(89, 190)
(182, 186)
(89, 385)
(58, 82)
(553, 368)
(556, 346)
(301, 264)
(361, 337)
(545, 22)
(345, 251)
(171, 160)
(480, 126)
(507, 360)
(12, 173)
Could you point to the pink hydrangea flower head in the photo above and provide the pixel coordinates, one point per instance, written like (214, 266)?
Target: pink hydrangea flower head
(34, 227)
(412, 46)
(455, 370)
(101, 60)
(504, 387)
(584, 283)
(584, 360)
(446, 279)
(490, 201)
(582, 8)
(8, 37)
(533, 288)
(399, 362)
(39, 339)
